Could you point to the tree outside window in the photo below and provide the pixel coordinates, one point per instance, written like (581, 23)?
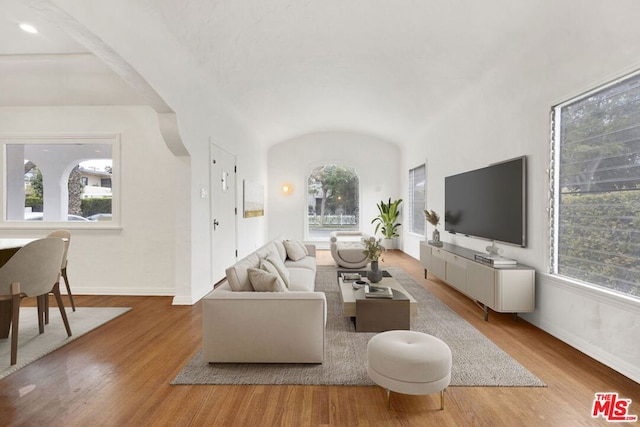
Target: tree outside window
(597, 187)
(333, 200)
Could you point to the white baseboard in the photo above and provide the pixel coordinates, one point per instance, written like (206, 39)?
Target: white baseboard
(597, 353)
(120, 291)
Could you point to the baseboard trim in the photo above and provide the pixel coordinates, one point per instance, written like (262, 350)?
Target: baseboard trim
(606, 358)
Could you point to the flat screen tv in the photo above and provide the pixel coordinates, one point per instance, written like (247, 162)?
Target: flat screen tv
(490, 203)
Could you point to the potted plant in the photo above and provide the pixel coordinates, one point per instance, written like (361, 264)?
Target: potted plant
(434, 219)
(373, 251)
(387, 220)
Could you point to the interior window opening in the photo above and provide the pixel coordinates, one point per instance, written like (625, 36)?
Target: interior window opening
(59, 182)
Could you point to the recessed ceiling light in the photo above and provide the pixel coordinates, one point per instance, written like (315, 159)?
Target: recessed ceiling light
(28, 28)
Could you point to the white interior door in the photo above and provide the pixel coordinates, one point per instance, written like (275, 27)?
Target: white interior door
(223, 211)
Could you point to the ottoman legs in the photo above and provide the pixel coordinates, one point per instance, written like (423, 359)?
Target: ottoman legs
(441, 399)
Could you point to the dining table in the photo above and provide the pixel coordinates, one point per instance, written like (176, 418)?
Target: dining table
(8, 248)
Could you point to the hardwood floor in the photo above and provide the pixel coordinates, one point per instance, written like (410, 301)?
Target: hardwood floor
(119, 375)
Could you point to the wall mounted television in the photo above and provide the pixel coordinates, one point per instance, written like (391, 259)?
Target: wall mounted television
(489, 203)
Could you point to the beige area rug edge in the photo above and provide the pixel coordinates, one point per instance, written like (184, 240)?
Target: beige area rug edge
(477, 361)
(32, 345)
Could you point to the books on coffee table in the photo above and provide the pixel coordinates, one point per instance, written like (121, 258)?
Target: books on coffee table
(350, 277)
(371, 291)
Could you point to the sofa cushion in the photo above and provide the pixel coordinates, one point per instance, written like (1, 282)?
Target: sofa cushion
(270, 268)
(279, 246)
(279, 265)
(307, 263)
(296, 250)
(302, 279)
(237, 275)
(263, 281)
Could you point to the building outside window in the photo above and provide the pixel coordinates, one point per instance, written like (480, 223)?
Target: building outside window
(417, 198)
(596, 187)
(58, 178)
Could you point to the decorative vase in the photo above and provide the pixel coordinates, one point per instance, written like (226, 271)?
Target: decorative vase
(435, 238)
(375, 274)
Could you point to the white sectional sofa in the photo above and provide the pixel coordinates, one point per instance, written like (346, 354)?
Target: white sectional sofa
(241, 325)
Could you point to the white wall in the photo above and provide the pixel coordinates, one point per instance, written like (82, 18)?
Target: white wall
(376, 161)
(507, 115)
(138, 258)
(134, 37)
(504, 114)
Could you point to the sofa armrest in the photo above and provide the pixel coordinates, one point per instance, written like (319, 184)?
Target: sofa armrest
(264, 327)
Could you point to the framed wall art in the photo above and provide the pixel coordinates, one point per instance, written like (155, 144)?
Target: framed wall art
(253, 199)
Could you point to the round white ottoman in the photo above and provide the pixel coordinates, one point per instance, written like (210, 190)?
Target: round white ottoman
(409, 362)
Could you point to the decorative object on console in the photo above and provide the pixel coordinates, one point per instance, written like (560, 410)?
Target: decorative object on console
(387, 220)
(495, 256)
(434, 219)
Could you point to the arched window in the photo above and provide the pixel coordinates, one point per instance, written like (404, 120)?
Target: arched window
(333, 200)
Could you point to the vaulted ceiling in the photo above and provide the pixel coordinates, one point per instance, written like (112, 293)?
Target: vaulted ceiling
(291, 67)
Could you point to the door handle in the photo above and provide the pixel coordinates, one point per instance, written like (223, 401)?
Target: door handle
(215, 224)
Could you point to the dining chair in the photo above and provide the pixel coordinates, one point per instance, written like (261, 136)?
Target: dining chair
(34, 271)
(66, 236)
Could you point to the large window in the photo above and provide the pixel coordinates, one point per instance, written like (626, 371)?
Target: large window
(596, 187)
(333, 200)
(59, 178)
(417, 194)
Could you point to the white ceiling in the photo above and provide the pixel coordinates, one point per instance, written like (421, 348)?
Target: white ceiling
(291, 67)
(49, 40)
(50, 67)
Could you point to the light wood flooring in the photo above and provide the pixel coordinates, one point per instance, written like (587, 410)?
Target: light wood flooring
(119, 375)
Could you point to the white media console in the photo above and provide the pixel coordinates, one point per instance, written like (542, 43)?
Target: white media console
(502, 288)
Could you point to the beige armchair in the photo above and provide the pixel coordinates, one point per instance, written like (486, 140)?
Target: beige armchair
(347, 249)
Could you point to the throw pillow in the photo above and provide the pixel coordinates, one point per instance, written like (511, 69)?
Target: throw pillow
(295, 249)
(263, 281)
(279, 265)
(270, 268)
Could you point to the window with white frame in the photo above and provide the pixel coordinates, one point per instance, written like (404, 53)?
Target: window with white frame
(596, 187)
(333, 201)
(417, 195)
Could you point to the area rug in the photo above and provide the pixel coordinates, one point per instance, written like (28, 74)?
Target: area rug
(32, 345)
(476, 360)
